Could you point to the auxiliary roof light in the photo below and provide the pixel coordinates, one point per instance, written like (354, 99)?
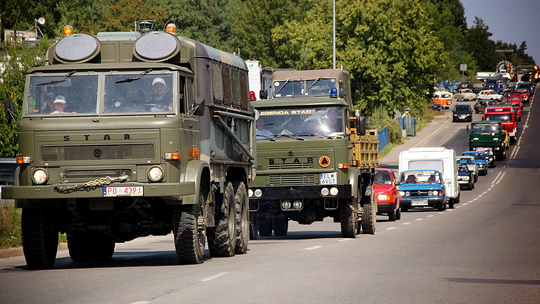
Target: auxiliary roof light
(68, 30)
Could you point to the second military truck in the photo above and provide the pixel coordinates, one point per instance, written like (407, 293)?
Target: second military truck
(315, 158)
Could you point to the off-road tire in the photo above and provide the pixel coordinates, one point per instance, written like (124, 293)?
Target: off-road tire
(349, 218)
(39, 238)
(253, 226)
(369, 219)
(189, 232)
(242, 219)
(222, 237)
(281, 226)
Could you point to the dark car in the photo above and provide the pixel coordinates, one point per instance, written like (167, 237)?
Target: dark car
(462, 112)
(387, 194)
(482, 104)
(465, 178)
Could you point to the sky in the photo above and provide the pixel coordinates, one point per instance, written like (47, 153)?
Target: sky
(511, 21)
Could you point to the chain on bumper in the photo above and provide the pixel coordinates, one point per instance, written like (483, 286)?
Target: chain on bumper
(103, 181)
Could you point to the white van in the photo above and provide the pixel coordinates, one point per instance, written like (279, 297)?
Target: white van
(435, 158)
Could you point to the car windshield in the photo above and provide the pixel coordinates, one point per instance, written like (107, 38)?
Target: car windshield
(485, 128)
(382, 177)
(299, 88)
(420, 176)
(462, 108)
(293, 122)
(79, 93)
(466, 161)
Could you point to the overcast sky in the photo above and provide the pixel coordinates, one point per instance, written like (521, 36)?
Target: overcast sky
(511, 21)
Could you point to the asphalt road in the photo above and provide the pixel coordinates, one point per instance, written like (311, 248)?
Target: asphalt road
(486, 250)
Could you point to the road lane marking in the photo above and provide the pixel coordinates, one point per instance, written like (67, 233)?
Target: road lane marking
(140, 302)
(214, 277)
(498, 178)
(406, 223)
(345, 240)
(313, 248)
(391, 228)
(430, 215)
(419, 219)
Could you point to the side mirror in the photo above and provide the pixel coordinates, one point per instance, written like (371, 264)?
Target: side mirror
(342, 93)
(263, 94)
(10, 110)
(200, 104)
(361, 125)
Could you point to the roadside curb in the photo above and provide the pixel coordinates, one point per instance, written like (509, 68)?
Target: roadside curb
(18, 251)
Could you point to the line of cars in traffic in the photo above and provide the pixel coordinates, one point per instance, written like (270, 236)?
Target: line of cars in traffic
(423, 185)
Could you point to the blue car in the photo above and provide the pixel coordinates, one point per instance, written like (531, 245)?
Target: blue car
(422, 188)
(481, 160)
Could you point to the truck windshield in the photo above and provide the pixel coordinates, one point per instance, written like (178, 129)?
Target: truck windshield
(62, 95)
(502, 117)
(79, 93)
(298, 88)
(300, 122)
(485, 128)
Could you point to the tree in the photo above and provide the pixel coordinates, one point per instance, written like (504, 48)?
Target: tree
(207, 21)
(16, 60)
(124, 13)
(391, 55)
(253, 26)
(481, 47)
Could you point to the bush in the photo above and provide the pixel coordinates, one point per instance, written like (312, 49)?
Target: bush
(10, 227)
(394, 131)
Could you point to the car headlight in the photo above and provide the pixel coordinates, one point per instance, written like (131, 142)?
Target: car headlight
(250, 192)
(258, 193)
(382, 197)
(334, 191)
(40, 177)
(155, 174)
(433, 193)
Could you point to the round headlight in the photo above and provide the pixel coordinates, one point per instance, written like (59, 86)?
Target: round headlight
(325, 191)
(402, 193)
(250, 192)
(258, 193)
(39, 177)
(334, 191)
(155, 174)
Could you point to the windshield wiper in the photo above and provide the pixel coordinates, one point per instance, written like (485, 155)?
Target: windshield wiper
(61, 79)
(314, 82)
(290, 136)
(131, 79)
(286, 81)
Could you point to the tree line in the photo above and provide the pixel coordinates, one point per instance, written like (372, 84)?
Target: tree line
(395, 50)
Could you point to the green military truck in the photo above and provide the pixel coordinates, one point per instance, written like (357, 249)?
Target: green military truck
(490, 137)
(314, 156)
(130, 134)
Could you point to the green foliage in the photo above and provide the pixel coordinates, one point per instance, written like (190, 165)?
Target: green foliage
(10, 226)
(17, 59)
(394, 131)
(120, 16)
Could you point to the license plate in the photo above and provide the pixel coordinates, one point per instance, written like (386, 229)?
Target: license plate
(328, 178)
(123, 191)
(421, 202)
(462, 116)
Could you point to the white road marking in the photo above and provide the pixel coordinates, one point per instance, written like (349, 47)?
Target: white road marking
(313, 248)
(391, 228)
(406, 223)
(214, 277)
(345, 240)
(419, 219)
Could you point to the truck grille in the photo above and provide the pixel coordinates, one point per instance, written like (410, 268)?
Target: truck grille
(74, 174)
(97, 152)
(292, 179)
(290, 166)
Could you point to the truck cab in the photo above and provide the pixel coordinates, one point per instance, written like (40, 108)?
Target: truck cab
(507, 116)
(490, 137)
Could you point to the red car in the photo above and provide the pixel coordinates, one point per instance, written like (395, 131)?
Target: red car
(387, 194)
(524, 94)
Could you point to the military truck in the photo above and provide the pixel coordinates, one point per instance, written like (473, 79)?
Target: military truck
(315, 157)
(130, 134)
(489, 136)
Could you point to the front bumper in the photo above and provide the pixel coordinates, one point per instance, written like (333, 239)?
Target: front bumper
(421, 201)
(300, 192)
(64, 191)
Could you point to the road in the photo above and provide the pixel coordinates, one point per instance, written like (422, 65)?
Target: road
(486, 250)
